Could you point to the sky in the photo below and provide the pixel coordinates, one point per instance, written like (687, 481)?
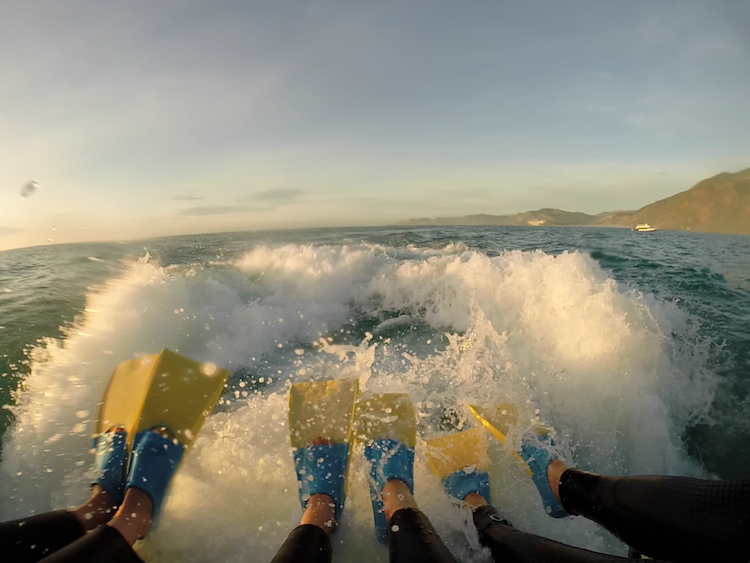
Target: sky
(142, 119)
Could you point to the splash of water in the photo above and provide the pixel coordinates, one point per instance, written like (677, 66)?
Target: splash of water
(618, 373)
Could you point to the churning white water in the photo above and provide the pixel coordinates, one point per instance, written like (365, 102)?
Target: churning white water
(618, 373)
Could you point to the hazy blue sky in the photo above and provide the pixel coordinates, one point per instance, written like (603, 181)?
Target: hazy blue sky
(143, 118)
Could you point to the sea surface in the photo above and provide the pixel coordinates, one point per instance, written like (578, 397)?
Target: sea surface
(635, 347)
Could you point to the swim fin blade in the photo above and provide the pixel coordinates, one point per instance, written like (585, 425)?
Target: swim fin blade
(456, 452)
(387, 415)
(164, 389)
(322, 409)
(498, 421)
(461, 462)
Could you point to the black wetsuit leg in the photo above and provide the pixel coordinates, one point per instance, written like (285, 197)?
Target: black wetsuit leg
(679, 519)
(509, 545)
(103, 545)
(306, 543)
(29, 540)
(412, 539)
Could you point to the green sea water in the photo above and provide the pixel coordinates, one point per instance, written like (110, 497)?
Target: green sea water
(635, 347)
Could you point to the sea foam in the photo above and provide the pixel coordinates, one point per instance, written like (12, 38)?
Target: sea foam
(618, 374)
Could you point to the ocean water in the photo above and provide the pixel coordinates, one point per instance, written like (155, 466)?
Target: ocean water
(634, 347)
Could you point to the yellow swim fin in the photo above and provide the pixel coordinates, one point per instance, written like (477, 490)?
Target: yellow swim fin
(387, 415)
(461, 451)
(322, 409)
(387, 426)
(164, 389)
(498, 421)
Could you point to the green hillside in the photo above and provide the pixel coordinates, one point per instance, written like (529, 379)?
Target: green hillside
(541, 217)
(717, 205)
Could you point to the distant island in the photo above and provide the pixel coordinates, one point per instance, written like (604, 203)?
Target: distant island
(720, 204)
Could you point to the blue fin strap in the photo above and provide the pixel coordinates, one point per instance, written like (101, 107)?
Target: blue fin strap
(110, 461)
(460, 484)
(538, 459)
(152, 465)
(322, 470)
(389, 459)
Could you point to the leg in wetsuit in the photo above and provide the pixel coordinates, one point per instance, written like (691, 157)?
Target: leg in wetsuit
(60, 537)
(29, 540)
(509, 545)
(675, 519)
(410, 535)
(411, 539)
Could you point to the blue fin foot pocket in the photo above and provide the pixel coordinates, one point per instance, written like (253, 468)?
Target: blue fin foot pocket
(461, 484)
(153, 463)
(538, 452)
(389, 459)
(110, 463)
(322, 470)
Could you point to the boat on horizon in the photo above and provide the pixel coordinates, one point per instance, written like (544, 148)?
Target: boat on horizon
(644, 228)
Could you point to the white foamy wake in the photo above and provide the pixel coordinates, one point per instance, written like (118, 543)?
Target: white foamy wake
(617, 373)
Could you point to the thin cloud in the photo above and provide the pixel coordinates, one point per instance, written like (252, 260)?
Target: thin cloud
(205, 210)
(8, 230)
(280, 194)
(187, 197)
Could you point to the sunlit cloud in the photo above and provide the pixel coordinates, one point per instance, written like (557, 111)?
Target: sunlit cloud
(8, 230)
(281, 194)
(187, 197)
(206, 210)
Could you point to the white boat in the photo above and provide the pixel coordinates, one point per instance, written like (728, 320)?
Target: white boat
(644, 228)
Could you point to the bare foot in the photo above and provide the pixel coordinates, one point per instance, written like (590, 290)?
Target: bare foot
(321, 441)
(475, 500)
(99, 509)
(554, 472)
(396, 495)
(96, 511)
(320, 509)
(133, 519)
(321, 512)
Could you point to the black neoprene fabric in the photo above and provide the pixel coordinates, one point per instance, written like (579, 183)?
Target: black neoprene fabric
(29, 540)
(678, 519)
(509, 545)
(412, 539)
(305, 544)
(103, 545)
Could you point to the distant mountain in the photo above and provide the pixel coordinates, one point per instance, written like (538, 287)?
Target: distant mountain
(535, 218)
(718, 205)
